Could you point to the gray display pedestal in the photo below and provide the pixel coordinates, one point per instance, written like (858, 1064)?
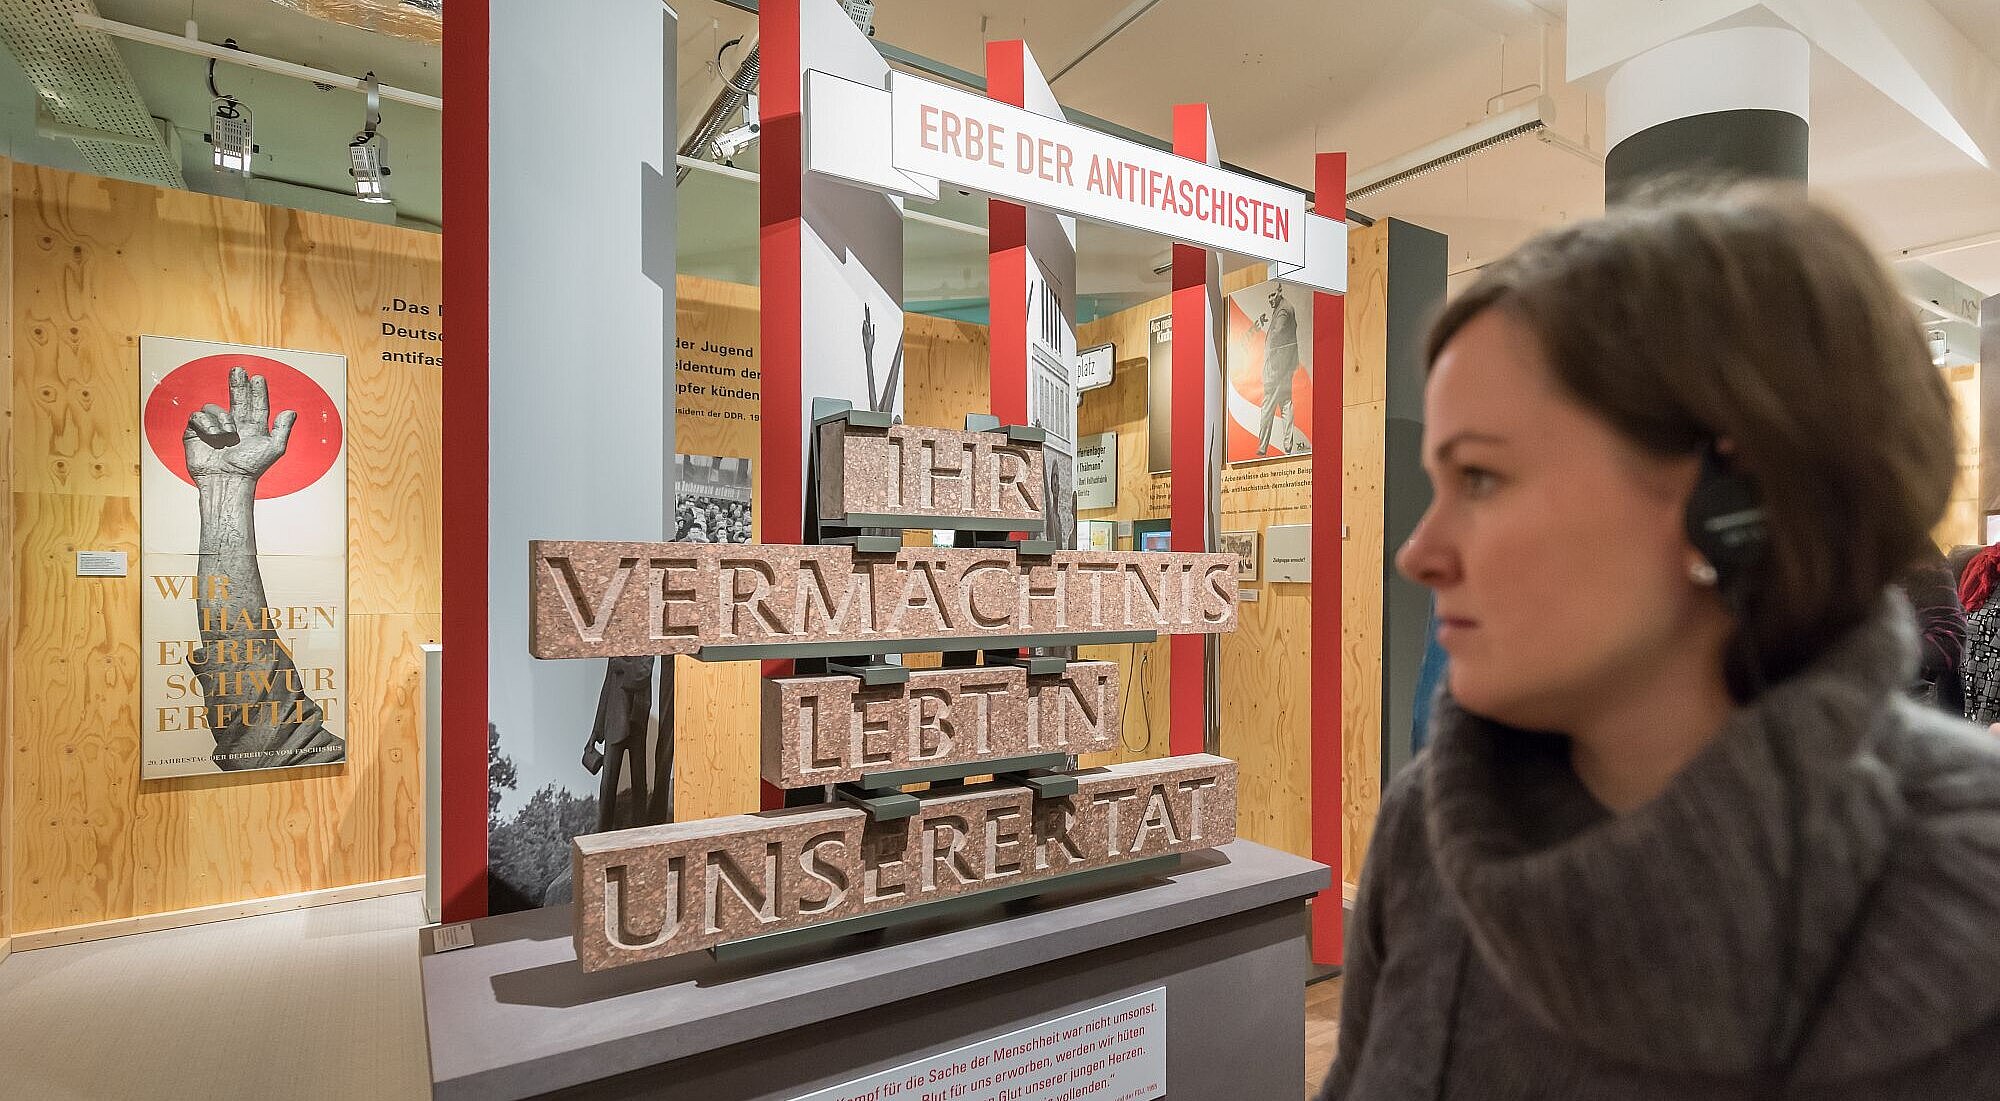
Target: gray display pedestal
(514, 1016)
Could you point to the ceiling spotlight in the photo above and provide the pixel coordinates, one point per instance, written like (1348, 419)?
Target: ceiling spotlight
(368, 153)
(863, 14)
(229, 132)
(732, 142)
(229, 136)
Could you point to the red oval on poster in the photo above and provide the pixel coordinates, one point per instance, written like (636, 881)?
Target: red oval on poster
(315, 441)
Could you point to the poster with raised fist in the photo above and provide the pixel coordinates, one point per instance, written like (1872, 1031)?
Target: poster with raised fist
(243, 539)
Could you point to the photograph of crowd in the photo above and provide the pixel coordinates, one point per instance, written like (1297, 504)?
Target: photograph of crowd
(711, 499)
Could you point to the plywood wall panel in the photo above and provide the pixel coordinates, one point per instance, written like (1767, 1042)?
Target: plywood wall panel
(97, 264)
(946, 371)
(1361, 567)
(1266, 667)
(75, 699)
(395, 489)
(7, 562)
(716, 705)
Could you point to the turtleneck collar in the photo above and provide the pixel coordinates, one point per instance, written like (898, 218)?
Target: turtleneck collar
(1699, 931)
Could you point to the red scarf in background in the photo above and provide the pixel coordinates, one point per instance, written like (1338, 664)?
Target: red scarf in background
(1981, 577)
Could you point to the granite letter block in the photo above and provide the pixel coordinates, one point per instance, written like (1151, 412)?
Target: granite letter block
(934, 473)
(831, 729)
(659, 891)
(628, 599)
(1076, 711)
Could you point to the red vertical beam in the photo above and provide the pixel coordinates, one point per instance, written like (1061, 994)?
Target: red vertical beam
(781, 295)
(462, 774)
(1188, 700)
(1007, 257)
(1328, 515)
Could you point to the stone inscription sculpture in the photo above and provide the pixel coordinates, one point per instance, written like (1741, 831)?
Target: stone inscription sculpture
(933, 473)
(660, 891)
(869, 729)
(627, 599)
(831, 730)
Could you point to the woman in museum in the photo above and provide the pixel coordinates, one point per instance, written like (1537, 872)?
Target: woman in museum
(1680, 831)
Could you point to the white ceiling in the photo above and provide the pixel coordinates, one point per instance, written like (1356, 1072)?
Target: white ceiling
(1283, 78)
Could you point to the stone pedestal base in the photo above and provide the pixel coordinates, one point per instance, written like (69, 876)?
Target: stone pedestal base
(515, 1016)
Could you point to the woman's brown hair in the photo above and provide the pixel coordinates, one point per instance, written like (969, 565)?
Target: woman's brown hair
(1760, 321)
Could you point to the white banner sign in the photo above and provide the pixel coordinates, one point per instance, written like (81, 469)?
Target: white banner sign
(919, 132)
(1007, 152)
(1115, 1052)
(1094, 367)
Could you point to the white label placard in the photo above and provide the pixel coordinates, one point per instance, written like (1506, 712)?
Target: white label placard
(1288, 552)
(1116, 1052)
(1094, 366)
(101, 564)
(451, 938)
(1097, 471)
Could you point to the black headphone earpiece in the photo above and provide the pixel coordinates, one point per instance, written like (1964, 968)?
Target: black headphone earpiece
(1726, 522)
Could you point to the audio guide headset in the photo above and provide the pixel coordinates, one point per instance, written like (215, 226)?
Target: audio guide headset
(1726, 522)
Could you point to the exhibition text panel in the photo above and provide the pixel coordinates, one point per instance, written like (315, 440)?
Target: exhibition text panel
(1114, 1052)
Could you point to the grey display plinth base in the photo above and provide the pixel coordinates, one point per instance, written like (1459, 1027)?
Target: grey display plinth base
(514, 1016)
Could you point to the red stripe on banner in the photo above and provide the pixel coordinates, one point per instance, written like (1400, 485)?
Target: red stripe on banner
(1188, 661)
(1328, 514)
(1007, 257)
(1007, 291)
(781, 295)
(462, 771)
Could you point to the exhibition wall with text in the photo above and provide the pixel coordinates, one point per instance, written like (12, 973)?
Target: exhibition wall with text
(1265, 667)
(108, 816)
(98, 832)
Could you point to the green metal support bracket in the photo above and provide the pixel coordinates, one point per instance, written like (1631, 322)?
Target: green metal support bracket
(751, 947)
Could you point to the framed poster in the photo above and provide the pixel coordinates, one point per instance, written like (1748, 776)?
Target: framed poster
(1160, 394)
(1097, 471)
(711, 499)
(1242, 544)
(1097, 535)
(243, 547)
(1269, 398)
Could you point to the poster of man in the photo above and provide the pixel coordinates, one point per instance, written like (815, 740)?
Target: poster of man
(1269, 399)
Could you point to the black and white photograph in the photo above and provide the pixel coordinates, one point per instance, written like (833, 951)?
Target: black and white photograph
(1242, 544)
(712, 499)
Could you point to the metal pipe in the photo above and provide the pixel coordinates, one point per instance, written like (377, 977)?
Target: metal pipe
(687, 164)
(49, 127)
(1109, 31)
(191, 45)
(725, 104)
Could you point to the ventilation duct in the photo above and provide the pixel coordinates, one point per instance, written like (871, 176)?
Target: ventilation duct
(83, 83)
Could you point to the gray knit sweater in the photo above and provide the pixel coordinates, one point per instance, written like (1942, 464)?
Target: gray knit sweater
(1810, 910)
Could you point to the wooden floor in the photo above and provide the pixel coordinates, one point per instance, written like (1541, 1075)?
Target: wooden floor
(1322, 1029)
